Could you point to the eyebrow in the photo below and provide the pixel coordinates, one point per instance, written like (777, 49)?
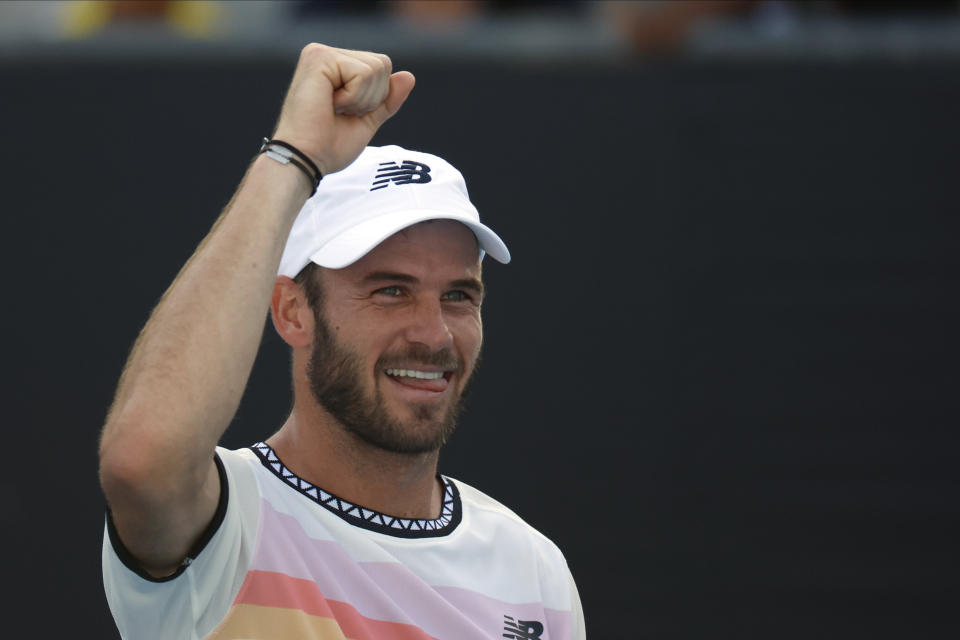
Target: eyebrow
(473, 284)
(383, 276)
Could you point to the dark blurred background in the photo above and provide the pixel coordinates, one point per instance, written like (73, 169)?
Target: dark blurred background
(721, 372)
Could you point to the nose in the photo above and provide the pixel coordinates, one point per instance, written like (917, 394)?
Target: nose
(428, 326)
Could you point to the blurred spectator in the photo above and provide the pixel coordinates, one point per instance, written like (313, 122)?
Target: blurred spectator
(661, 26)
(196, 18)
(532, 28)
(656, 27)
(437, 14)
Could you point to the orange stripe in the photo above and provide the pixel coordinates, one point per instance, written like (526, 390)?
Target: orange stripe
(272, 623)
(271, 589)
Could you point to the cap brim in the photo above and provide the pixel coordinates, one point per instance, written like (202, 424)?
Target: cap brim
(357, 241)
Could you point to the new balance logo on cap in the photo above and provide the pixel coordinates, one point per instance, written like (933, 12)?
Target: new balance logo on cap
(408, 172)
(522, 629)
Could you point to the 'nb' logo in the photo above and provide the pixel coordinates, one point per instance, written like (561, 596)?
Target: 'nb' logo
(408, 172)
(522, 629)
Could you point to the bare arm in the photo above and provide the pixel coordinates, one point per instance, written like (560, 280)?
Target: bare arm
(186, 374)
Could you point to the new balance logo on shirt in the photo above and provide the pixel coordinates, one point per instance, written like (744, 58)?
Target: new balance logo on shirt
(522, 629)
(408, 172)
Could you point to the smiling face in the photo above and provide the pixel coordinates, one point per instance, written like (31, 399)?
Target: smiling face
(398, 335)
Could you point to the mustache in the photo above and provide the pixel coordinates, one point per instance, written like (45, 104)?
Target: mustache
(420, 354)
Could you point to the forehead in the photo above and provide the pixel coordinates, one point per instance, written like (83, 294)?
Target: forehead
(443, 248)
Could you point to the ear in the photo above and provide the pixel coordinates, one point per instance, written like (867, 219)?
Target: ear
(292, 316)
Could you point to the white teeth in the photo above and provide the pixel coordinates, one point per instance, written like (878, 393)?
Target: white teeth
(410, 373)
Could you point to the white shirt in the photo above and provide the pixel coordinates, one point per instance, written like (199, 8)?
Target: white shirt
(283, 559)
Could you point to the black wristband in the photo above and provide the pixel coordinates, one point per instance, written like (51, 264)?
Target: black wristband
(284, 152)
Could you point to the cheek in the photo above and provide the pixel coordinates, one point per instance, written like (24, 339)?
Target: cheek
(363, 345)
(472, 338)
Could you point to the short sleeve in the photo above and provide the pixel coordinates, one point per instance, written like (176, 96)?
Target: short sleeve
(192, 601)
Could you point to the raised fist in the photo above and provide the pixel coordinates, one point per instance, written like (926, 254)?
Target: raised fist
(336, 102)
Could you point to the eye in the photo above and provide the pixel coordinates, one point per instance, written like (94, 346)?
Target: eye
(456, 296)
(391, 292)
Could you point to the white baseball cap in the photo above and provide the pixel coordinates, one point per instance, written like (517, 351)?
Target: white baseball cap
(384, 190)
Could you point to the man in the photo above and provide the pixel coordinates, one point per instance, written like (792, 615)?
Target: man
(337, 526)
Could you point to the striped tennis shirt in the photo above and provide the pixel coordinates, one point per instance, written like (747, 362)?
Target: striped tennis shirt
(285, 560)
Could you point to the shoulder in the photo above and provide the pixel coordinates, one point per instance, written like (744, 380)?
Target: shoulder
(504, 544)
(240, 467)
(486, 513)
(233, 458)
(480, 501)
(192, 601)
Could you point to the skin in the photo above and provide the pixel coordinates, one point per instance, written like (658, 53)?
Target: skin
(185, 376)
(430, 306)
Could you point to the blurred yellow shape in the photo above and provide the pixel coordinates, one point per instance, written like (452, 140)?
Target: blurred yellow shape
(85, 17)
(195, 18)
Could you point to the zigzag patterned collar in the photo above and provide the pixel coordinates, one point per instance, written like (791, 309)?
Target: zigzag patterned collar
(450, 516)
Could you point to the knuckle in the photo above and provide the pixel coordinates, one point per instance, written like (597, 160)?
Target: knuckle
(313, 49)
(369, 69)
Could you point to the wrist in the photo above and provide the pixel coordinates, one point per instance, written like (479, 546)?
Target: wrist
(308, 148)
(282, 177)
(287, 154)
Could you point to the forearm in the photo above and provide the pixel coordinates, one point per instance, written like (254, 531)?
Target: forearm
(188, 369)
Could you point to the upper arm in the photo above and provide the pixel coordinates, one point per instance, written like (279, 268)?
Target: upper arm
(155, 528)
(193, 598)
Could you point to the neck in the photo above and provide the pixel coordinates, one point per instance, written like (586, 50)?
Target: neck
(316, 447)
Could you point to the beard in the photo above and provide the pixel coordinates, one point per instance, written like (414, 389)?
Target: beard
(335, 374)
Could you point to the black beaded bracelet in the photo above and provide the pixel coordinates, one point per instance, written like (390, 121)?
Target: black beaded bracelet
(286, 153)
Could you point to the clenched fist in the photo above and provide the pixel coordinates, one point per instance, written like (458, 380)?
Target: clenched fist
(336, 102)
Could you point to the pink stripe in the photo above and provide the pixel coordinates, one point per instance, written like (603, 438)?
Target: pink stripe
(389, 590)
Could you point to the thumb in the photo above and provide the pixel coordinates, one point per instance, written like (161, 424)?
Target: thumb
(401, 84)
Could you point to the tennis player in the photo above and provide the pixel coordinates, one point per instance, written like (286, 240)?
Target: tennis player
(337, 525)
